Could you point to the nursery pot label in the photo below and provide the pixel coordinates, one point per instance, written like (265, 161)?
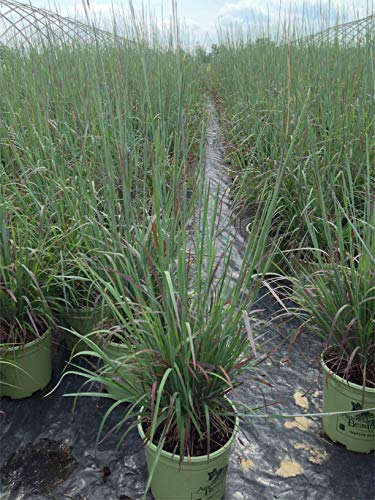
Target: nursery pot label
(213, 489)
(360, 426)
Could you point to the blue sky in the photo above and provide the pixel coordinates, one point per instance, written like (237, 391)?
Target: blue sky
(202, 17)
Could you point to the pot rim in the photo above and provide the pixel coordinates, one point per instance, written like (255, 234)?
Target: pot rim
(370, 390)
(79, 310)
(194, 460)
(27, 345)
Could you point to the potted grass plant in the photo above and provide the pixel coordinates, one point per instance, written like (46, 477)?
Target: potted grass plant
(78, 304)
(82, 307)
(25, 321)
(335, 296)
(189, 336)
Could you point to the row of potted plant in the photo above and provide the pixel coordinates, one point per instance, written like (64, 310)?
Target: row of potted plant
(81, 170)
(181, 335)
(286, 109)
(127, 265)
(189, 338)
(175, 315)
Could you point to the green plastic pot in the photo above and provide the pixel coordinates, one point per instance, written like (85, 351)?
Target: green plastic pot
(83, 321)
(26, 369)
(114, 351)
(356, 432)
(198, 478)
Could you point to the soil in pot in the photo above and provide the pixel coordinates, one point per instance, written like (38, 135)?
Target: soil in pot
(337, 363)
(219, 437)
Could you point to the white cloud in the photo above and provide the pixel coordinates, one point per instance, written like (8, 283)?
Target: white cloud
(259, 16)
(197, 32)
(249, 10)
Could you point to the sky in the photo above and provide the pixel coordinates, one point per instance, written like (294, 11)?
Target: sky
(203, 17)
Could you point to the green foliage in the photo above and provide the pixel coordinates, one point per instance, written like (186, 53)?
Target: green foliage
(84, 133)
(24, 276)
(101, 167)
(335, 294)
(312, 102)
(185, 321)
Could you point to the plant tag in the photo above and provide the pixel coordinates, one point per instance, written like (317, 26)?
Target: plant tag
(360, 426)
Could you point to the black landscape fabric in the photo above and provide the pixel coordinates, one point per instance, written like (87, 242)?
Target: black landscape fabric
(48, 451)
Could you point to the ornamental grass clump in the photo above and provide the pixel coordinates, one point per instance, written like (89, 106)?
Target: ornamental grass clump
(188, 328)
(334, 297)
(84, 118)
(24, 279)
(335, 294)
(262, 86)
(82, 138)
(25, 317)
